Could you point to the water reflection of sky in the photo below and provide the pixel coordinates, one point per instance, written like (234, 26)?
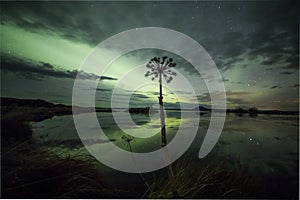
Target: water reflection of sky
(267, 144)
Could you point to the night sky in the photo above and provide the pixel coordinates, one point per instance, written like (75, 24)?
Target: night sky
(254, 44)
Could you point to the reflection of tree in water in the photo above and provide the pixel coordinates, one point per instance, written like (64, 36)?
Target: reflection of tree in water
(253, 112)
(240, 112)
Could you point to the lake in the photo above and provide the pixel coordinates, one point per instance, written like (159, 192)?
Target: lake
(266, 145)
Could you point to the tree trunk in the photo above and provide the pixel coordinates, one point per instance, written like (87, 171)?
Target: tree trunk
(164, 141)
(162, 114)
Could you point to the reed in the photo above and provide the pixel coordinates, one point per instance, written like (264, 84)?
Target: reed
(210, 181)
(42, 174)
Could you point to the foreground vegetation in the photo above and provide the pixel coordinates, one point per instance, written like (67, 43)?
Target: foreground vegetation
(211, 181)
(38, 174)
(27, 171)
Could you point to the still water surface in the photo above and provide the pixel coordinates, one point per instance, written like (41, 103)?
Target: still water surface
(267, 145)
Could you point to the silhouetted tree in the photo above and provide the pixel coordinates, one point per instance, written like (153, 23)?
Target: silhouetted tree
(159, 68)
(239, 112)
(253, 112)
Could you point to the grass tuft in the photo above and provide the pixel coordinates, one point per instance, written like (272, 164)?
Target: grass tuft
(211, 181)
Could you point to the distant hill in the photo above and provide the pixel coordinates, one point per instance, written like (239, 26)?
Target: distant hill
(253, 111)
(202, 108)
(61, 109)
(5, 101)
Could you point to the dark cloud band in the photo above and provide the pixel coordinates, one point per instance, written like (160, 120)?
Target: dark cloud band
(42, 69)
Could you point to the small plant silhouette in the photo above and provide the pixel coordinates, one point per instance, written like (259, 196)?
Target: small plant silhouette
(127, 139)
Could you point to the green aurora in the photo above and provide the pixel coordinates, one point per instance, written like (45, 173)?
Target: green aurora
(259, 71)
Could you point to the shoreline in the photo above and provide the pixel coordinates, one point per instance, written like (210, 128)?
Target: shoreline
(21, 158)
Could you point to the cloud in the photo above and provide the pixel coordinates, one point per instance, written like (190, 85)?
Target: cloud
(237, 101)
(139, 96)
(287, 72)
(273, 36)
(52, 19)
(84, 22)
(296, 85)
(277, 34)
(261, 29)
(151, 93)
(233, 99)
(275, 86)
(39, 70)
(237, 94)
(204, 98)
(102, 89)
(226, 48)
(230, 95)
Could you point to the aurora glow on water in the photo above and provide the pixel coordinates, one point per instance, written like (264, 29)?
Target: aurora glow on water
(267, 144)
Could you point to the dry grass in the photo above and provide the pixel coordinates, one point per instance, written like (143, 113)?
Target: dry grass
(28, 171)
(37, 174)
(210, 181)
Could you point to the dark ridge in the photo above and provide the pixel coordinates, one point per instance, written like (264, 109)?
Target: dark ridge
(6, 101)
